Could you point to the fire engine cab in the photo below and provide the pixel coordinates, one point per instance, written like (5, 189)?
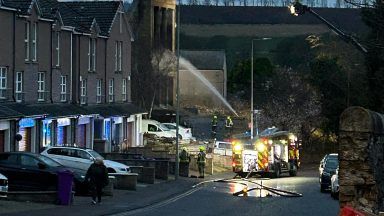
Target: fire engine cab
(272, 154)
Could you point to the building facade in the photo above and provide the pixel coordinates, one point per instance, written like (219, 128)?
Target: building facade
(66, 76)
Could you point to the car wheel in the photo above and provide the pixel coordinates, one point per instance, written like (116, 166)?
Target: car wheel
(277, 172)
(180, 137)
(322, 188)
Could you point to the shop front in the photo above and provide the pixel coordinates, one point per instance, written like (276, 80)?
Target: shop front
(117, 133)
(27, 131)
(84, 133)
(4, 136)
(63, 132)
(47, 133)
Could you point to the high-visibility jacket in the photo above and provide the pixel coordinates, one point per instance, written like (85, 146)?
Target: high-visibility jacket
(214, 121)
(201, 158)
(184, 156)
(228, 122)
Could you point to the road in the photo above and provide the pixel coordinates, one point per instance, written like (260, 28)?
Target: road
(215, 198)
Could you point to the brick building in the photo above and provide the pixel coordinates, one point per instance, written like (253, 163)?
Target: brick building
(65, 75)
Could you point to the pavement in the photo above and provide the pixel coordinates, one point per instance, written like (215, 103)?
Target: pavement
(121, 201)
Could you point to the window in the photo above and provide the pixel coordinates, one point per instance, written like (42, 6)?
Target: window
(83, 92)
(110, 92)
(124, 90)
(118, 55)
(34, 42)
(92, 54)
(27, 27)
(3, 82)
(19, 87)
(41, 86)
(8, 159)
(57, 48)
(121, 21)
(28, 161)
(63, 86)
(98, 91)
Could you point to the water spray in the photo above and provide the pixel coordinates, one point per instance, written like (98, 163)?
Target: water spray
(200, 76)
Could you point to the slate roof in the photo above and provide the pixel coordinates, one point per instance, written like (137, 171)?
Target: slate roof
(348, 19)
(83, 13)
(22, 5)
(205, 59)
(108, 110)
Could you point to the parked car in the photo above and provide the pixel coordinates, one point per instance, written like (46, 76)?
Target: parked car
(335, 185)
(322, 162)
(329, 168)
(223, 148)
(33, 172)
(3, 186)
(184, 133)
(82, 158)
(154, 127)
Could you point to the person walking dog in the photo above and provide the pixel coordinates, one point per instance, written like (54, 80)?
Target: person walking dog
(97, 176)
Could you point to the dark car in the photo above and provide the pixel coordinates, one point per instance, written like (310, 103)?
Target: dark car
(33, 172)
(329, 169)
(322, 162)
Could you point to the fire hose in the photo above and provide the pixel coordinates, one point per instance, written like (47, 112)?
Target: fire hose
(245, 190)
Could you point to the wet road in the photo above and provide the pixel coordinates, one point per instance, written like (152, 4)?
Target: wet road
(215, 198)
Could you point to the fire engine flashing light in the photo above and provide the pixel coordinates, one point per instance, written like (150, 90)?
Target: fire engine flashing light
(260, 147)
(292, 137)
(237, 147)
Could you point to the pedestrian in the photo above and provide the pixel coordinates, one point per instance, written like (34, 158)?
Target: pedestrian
(201, 161)
(97, 177)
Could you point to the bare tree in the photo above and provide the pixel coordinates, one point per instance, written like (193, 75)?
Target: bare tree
(163, 65)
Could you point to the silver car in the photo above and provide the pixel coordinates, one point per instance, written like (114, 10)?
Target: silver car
(80, 158)
(335, 185)
(3, 186)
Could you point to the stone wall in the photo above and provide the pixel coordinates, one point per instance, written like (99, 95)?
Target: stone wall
(361, 155)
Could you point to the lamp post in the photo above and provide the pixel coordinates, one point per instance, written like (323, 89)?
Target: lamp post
(252, 83)
(297, 9)
(177, 92)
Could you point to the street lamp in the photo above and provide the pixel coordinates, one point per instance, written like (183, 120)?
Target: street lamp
(177, 93)
(252, 82)
(297, 9)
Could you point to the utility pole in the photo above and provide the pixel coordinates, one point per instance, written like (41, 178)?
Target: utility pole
(177, 93)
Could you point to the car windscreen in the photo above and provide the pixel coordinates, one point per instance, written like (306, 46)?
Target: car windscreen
(332, 163)
(49, 161)
(95, 154)
(163, 127)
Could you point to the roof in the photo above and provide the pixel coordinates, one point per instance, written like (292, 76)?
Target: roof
(205, 59)
(25, 110)
(6, 112)
(22, 5)
(348, 19)
(82, 13)
(109, 110)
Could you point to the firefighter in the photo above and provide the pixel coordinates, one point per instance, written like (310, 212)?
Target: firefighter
(214, 123)
(201, 161)
(184, 156)
(228, 125)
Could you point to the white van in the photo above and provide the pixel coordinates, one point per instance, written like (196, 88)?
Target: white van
(154, 127)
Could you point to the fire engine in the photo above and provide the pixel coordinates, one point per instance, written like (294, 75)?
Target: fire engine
(270, 154)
